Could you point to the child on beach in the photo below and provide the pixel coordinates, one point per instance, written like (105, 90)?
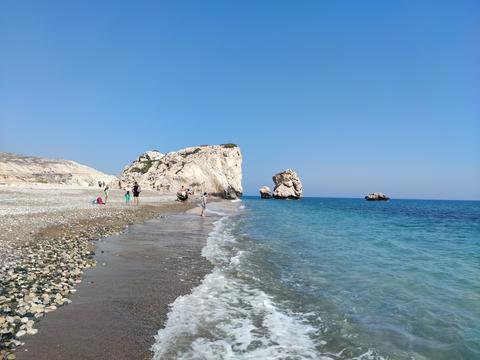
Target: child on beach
(127, 197)
(98, 201)
(203, 204)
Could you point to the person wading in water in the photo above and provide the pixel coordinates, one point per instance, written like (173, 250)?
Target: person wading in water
(203, 203)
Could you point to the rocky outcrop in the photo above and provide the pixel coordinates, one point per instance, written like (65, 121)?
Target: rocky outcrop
(265, 192)
(215, 169)
(376, 196)
(19, 170)
(287, 185)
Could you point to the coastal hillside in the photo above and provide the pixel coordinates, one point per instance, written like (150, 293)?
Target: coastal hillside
(20, 170)
(216, 169)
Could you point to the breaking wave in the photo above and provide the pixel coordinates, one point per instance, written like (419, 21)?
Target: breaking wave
(225, 318)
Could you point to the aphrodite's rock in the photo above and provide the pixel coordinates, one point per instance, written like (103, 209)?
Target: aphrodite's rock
(265, 192)
(19, 170)
(287, 185)
(215, 169)
(376, 196)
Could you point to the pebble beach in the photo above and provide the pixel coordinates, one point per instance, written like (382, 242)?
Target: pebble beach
(48, 241)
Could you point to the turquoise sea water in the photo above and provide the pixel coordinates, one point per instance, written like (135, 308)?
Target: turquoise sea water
(335, 279)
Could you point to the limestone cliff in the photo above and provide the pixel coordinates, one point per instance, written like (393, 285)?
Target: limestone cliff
(19, 170)
(216, 169)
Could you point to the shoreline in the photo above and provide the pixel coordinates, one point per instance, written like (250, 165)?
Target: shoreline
(125, 299)
(47, 245)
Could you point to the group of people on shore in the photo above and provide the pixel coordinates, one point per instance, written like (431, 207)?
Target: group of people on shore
(182, 195)
(136, 194)
(135, 190)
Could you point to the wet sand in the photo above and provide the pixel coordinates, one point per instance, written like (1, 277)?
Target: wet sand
(123, 301)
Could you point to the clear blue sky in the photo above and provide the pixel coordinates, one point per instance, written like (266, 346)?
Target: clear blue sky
(357, 96)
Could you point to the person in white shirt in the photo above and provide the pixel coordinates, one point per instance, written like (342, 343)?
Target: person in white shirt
(203, 203)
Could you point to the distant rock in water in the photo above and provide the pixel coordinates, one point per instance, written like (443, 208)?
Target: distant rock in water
(20, 170)
(265, 192)
(215, 169)
(287, 185)
(376, 196)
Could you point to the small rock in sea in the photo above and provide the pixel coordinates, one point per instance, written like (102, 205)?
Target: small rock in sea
(376, 196)
(265, 192)
(20, 333)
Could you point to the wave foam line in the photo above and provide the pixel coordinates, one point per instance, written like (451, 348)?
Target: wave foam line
(224, 318)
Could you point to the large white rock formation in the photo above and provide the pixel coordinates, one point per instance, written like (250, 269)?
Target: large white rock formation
(287, 185)
(20, 170)
(215, 169)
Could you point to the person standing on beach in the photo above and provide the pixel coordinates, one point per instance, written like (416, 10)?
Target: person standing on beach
(106, 193)
(136, 193)
(203, 204)
(127, 197)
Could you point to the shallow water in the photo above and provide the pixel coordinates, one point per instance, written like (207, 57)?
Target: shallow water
(335, 279)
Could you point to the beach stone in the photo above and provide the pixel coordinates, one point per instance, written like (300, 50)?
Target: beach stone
(32, 331)
(287, 185)
(20, 333)
(59, 301)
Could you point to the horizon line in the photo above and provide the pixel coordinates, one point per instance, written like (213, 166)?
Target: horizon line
(362, 198)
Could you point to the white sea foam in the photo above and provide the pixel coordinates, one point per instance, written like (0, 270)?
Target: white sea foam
(224, 318)
(214, 212)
